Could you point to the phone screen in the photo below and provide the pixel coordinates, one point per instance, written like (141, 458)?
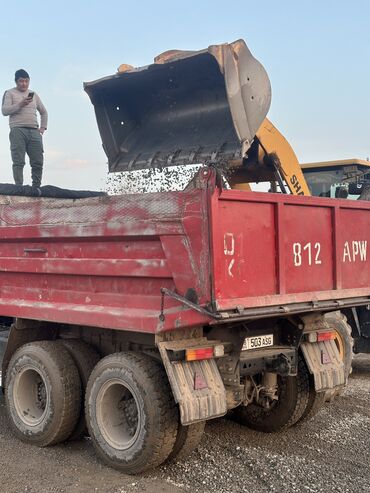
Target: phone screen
(30, 95)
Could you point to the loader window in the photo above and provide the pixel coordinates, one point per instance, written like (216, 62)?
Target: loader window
(323, 182)
(333, 183)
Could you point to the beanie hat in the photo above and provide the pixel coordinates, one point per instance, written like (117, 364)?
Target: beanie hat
(21, 74)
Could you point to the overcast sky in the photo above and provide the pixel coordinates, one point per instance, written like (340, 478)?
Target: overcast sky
(317, 55)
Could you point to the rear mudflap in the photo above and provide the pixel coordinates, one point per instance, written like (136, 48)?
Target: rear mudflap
(196, 385)
(324, 363)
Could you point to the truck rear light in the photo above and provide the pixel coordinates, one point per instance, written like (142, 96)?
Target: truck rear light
(199, 354)
(326, 336)
(321, 336)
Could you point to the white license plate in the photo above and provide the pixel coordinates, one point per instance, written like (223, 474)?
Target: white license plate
(257, 342)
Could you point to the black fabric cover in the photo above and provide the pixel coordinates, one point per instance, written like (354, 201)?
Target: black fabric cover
(46, 191)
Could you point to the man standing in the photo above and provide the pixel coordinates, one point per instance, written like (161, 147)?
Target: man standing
(25, 136)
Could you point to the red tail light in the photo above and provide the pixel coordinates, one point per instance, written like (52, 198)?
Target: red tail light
(325, 336)
(198, 354)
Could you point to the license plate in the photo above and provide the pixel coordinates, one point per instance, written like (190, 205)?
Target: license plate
(257, 342)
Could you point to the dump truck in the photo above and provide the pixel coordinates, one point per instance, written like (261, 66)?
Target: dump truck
(139, 317)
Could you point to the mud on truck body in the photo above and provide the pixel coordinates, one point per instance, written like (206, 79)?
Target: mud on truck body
(142, 316)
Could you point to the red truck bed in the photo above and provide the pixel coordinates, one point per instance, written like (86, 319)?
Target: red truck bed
(103, 261)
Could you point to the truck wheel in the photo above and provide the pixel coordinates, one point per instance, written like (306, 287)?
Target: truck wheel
(188, 438)
(42, 393)
(315, 402)
(130, 412)
(85, 358)
(344, 340)
(293, 395)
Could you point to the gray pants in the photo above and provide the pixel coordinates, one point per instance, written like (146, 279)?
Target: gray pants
(26, 140)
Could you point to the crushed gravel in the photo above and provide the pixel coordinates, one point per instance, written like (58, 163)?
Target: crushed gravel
(330, 453)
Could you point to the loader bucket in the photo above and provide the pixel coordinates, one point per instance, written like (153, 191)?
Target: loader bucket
(186, 108)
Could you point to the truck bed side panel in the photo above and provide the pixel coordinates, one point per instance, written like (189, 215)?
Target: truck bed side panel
(271, 249)
(103, 261)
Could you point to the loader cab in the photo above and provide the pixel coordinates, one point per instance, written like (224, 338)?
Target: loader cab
(337, 179)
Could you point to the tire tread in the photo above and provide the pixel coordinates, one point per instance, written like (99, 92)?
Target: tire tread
(85, 358)
(188, 438)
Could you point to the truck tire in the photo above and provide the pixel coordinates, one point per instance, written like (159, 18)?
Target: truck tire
(286, 411)
(85, 358)
(130, 412)
(188, 438)
(42, 393)
(344, 340)
(316, 400)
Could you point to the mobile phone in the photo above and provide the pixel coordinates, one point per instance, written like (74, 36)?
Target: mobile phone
(30, 95)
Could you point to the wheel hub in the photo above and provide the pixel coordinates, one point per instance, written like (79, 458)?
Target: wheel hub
(118, 414)
(30, 396)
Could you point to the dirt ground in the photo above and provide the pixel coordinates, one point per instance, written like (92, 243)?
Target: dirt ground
(331, 453)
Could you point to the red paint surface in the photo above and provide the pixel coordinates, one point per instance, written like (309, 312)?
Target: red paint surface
(259, 266)
(107, 258)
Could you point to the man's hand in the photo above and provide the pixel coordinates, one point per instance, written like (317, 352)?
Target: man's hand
(25, 102)
(42, 130)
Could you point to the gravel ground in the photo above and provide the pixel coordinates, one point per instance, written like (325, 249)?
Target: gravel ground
(331, 453)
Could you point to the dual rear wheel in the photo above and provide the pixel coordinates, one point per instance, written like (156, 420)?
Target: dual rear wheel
(132, 417)
(43, 393)
(293, 401)
(129, 409)
(298, 400)
(130, 413)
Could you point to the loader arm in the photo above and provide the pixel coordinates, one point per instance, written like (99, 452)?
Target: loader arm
(274, 143)
(272, 159)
